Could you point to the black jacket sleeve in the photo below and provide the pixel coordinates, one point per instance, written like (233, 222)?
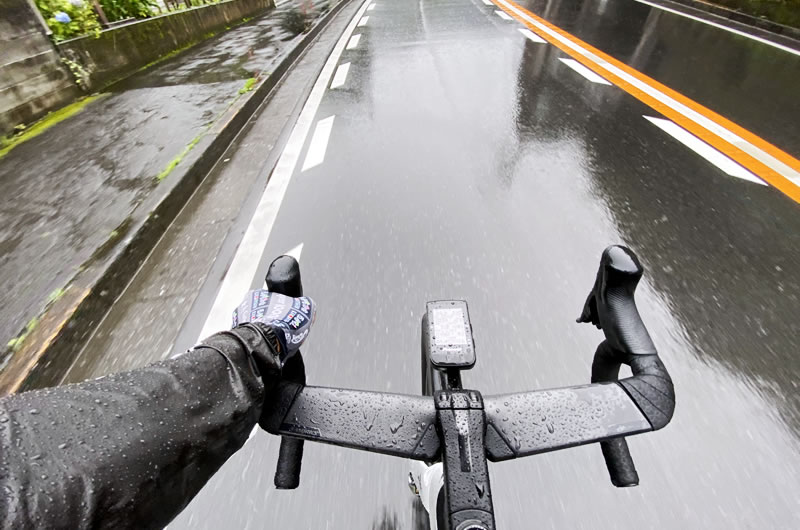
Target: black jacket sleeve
(130, 450)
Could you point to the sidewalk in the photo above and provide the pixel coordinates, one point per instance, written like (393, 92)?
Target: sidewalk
(67, 195)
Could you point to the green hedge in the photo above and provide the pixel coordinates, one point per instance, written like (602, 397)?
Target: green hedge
(122, 9)
(785, 12)
(83, 18)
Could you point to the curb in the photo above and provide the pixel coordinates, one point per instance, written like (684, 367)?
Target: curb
(786, 35)
(51, 348)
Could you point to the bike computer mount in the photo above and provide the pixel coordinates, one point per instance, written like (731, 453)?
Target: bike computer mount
(463, 429)
(447, 335)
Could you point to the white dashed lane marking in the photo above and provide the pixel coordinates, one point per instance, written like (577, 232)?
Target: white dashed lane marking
(585, 72)
(533, 37)
(353, 42)
(341, 75)
(319, 143)
(697, 145)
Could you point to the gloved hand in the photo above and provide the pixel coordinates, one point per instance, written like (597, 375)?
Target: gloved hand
(289, 318)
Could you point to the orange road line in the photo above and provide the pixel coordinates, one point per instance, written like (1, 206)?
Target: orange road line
(745, 159)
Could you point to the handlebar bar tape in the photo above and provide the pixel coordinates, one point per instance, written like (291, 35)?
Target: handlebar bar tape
(651, 389)
(290, 456)
(290, 459)
(621, 469)
(620, 465)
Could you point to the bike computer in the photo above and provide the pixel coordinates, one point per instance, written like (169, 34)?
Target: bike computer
(447, 334)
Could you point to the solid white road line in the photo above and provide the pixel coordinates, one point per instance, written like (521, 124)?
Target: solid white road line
(697, 145)
(502, 14)
(363, 22)
(353, 42)
(341, 75)
(243, 267)
(585, 72)
(488, 2)
(762, 156)
(319, 143)
(533, 37)
(726, 28)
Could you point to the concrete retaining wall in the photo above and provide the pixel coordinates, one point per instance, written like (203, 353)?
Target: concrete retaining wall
(33, 80)
(121, 51)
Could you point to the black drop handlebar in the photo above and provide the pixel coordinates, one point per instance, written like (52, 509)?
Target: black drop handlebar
(506, 426)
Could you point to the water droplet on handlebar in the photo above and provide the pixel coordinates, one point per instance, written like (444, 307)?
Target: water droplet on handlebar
(395, 428)
(480, 488)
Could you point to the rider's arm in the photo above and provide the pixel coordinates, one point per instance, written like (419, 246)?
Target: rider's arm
(132, 449)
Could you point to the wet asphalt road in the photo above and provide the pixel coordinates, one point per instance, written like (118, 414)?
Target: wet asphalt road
(468, 162)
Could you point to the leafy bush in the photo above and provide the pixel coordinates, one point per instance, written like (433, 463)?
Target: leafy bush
(122, 9)
(73, 18)
(77, 18)
(295, 21)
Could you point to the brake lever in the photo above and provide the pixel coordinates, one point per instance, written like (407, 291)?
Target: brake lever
(611, 307)
(283, 277)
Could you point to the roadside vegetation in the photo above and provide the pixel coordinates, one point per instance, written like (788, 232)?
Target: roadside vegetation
(68, 19)
(21, 133)
(786, 12)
